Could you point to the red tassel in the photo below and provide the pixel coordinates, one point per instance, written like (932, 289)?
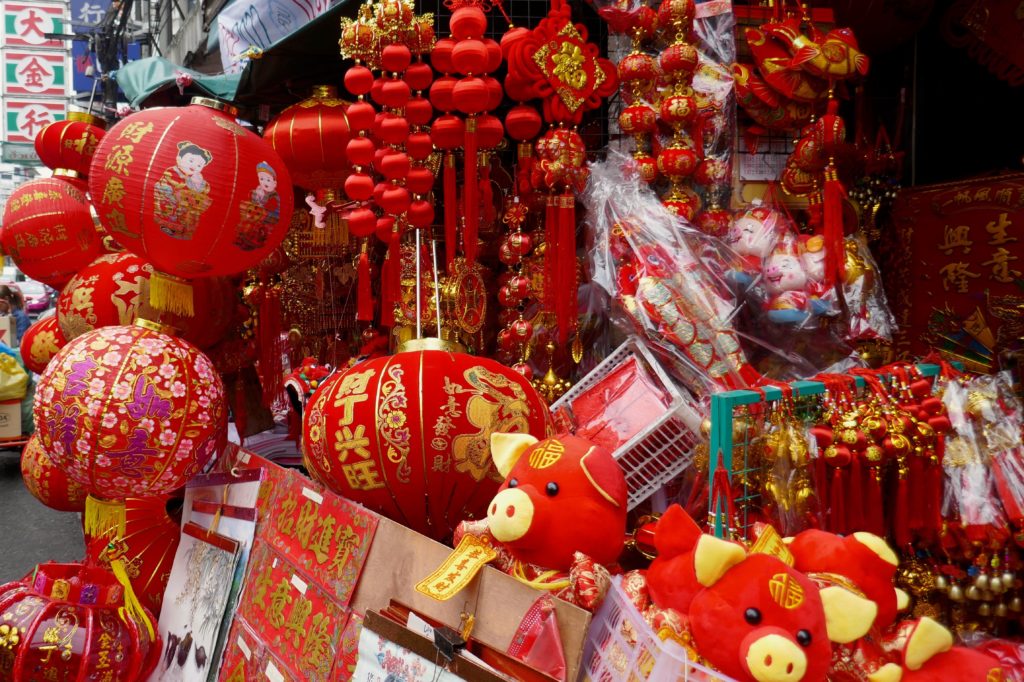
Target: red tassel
(855, 509)
(451, 210)
(834, 197)
(364, 293)
(392, 279)
(900, 520)
(873, 518)
(565, 286)
(525, 167)
(486, 193)
(241, 417)
(838, 507)
(550, 253)
(916, 495)
(271, 346)
(933, 491)
(471, 192)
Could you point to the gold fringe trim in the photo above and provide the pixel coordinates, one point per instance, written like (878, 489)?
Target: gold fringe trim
(104, 518)
(171, 294)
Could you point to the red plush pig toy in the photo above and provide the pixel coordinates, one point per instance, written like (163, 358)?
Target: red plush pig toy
(751, 616)
(925, 653)
(559, 516)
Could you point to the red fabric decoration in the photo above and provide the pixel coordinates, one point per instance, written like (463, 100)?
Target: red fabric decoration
(69, 620)
(47, 482)
(307, 135)
(167, 422)
(403, 434)
(44, 247)
(109, 291)
(70, 144)
(192, 192)
(40, 343)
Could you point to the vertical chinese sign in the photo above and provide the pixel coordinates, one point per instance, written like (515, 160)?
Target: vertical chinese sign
(36, 83)
(85, 16)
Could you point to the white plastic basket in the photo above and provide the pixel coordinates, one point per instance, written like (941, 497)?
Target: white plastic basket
(621, 647)
(666, 446)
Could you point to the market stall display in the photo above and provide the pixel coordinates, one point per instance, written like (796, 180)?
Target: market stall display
(557, 342)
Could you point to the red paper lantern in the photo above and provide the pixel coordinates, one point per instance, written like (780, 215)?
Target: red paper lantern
(191, 191)
(70, 144)
(68, 622)
(110, 291)
(308, 136)
(47, 482)
(152, 532)
(408, 435)
(48, 230)
(130, 411)
(40, 343)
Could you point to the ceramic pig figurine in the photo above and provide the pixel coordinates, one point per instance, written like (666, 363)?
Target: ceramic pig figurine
(786, 283)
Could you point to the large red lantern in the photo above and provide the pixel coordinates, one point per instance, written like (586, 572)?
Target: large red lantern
(152, 532)
(110, 291)
(192, 192)
(40, 343)
(69, 144)
(48, 230)
(47, 482)
(310, 137)
(69, 622)
(408, 435)
(129, 412)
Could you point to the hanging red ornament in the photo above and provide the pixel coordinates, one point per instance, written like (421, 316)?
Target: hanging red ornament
(68, 145)
(193, 193)
(40, 343)
(48, 229)
(47, 482)
(307, 135)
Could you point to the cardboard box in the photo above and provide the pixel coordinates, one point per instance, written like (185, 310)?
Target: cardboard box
(399, 558)
(7, 328)
(10, 419)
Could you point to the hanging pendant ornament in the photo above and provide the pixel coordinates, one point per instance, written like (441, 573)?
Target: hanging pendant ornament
(556, 64)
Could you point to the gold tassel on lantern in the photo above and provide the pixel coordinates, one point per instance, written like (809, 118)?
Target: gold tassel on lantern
(132, 607)
(104, 518)
(171, 294)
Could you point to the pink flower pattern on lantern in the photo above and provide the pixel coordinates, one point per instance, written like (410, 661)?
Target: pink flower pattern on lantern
(128, 410)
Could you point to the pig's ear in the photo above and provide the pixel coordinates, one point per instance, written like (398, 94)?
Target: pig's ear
(890, 672)
(676, 533)
(928, 639)
(506, 448)
(606, 476)
(878, 546)
(848, 616)
(714, 557)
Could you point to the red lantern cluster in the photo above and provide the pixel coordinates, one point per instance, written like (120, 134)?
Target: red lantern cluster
(48, 229)
(192, 192)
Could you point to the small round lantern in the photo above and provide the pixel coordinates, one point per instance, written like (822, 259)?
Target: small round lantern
(408, 435)
(69, 144)
(40, 343)
(129, 412)
(47, 482)
(309, 136)
(70, 622)
(192, 192)
(111, 291)
(48, 230)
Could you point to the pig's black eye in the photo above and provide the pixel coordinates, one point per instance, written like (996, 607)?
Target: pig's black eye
(551, 489)
(804, 638)
(752, 616)
(513, 483)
